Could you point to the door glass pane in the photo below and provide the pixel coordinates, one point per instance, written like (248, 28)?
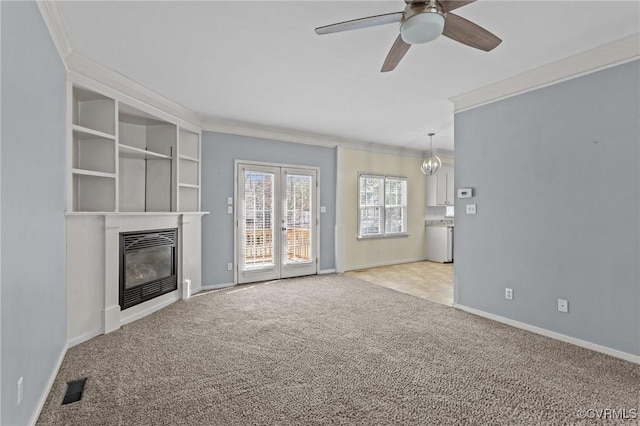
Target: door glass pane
(297, 219)
(258, 244)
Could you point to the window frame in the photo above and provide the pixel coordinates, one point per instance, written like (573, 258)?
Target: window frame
(383, 208)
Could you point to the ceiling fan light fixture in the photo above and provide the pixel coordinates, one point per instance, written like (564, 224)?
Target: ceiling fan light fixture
(422, 27)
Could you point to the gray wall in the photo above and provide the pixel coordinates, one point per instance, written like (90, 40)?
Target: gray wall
(556, 172)
(219, 152)
(33, 201)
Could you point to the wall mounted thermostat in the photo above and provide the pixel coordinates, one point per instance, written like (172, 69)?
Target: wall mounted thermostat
(465, 192)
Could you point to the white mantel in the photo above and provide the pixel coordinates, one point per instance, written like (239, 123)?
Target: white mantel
(93, 250)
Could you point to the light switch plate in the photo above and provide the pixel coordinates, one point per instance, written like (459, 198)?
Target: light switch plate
(471, 209)
(230, 209)
(323, 209)
(230, 201)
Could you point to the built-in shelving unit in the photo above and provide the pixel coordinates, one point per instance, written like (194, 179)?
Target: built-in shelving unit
(125, 159)
(146, 149)
(93, 169)
(188, 170)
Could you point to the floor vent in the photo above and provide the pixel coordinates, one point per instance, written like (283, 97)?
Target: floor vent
(74, 391)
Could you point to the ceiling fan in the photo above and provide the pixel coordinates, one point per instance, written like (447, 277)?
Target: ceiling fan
(421, 22)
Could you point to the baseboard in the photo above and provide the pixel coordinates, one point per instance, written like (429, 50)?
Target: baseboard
(143, 313)
(326, 271)
(388, 263)
(47, 389)
(81, 339)
(216, 286)
(552, 334)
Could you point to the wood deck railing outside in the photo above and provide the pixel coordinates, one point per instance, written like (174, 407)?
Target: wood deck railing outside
(259, 246)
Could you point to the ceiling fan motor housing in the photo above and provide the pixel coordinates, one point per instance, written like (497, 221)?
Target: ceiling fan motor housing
(422, 22)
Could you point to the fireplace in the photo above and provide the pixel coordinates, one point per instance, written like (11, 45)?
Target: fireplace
(147, 265)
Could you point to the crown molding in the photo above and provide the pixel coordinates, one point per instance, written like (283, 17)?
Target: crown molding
(241, 128)
(79, 64)
(83, 70)
(605, 56)
(55, 23)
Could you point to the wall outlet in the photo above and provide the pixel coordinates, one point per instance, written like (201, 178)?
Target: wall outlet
(508, 293)
(19, 390)
(563, 306)
(471, 209)
(229, 266)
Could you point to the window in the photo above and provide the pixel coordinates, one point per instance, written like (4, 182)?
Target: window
(383, 206)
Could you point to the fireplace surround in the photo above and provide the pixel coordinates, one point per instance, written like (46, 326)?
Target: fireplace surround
(147, 265)
(93, 269)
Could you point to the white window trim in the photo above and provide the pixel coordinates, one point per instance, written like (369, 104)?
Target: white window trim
(384, 208)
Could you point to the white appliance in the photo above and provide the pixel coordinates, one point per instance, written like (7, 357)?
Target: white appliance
(440, 243)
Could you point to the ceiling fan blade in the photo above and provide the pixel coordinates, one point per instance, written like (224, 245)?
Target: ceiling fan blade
(395, 55)
(449, 5)
(466, 32)
(356, 24)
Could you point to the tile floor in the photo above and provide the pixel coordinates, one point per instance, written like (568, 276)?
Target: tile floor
(429, 280)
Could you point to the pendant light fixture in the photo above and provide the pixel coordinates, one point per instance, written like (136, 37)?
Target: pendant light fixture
(432, 163)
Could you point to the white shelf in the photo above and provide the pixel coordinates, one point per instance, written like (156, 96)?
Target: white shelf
(93, 111)
(85, 131)
(127, 151)
(186, 157)
(93, 173)
(188, 185)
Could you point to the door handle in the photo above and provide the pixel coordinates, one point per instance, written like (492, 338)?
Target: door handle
(283, 228)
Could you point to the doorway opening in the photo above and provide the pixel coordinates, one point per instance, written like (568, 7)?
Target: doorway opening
(276, 222)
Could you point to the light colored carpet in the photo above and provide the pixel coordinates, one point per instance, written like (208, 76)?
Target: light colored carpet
(331, 349)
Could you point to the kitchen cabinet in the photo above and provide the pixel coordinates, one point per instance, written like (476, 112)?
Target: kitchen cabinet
(440, 187)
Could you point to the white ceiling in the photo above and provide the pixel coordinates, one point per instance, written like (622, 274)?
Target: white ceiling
(261, 62)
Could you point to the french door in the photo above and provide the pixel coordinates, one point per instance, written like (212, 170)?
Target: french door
(277, 226)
